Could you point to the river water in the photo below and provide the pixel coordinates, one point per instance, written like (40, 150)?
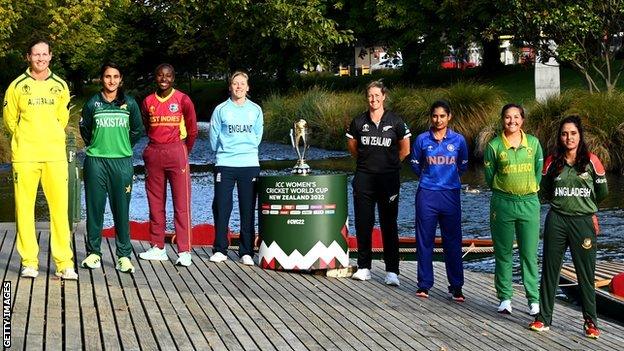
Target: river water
(278, 159)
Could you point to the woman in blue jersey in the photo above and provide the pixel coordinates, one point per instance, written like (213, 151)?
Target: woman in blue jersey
(439, 157)
(235, 134)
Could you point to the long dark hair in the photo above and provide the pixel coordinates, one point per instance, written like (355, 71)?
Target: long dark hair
(582, 153)
(120, 99)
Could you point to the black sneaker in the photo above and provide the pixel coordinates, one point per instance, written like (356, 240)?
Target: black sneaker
(424, 293)
(457, 294)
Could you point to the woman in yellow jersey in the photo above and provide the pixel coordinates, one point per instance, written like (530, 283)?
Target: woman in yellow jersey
(513, 170)
(35, 114)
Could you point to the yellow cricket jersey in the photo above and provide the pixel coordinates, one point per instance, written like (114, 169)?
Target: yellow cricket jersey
(35, 113)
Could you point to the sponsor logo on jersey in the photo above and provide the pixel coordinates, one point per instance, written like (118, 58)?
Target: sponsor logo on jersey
(124, 107)
(152, 109)
(365, 128)
(601, 180)
(429, 147)
(587, 243)
(174, 107)
(386, 128)
(450, 147)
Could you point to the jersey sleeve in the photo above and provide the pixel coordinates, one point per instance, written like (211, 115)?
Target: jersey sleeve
(137, 130)
(402, 129)
(215, 128)
(462, 155)
(600, 180)
(489, 164)
(62, 112)
(416, 157)
(539, 163)
(259, 127)
(86, 123)
(190, 122)
(352, 132)
(9, 110)
(547, 182)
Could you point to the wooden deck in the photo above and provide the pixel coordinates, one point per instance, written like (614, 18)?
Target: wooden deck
(231, 306)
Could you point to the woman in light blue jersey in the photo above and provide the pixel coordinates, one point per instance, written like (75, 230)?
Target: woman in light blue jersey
(235, 133)
(439, 157)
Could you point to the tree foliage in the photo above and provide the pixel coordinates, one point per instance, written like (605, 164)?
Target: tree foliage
(587, 34)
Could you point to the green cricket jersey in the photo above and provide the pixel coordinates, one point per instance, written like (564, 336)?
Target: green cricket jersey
(510, 170)
(574, 194)
(110, 129)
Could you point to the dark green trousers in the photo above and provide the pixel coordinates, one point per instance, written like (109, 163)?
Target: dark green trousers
(578, 233)
(110, 177)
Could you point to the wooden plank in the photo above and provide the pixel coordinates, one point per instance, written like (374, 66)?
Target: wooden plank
(88, 310)
(168, 300)
(36, 332)
(301, 334)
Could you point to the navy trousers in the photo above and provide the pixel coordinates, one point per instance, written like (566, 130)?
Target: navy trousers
(443, 207)
(245, 179)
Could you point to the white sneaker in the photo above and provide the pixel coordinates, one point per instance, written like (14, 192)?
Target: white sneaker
(246, 260)
(218, 257)
(534, 309)
(155, 254)
(505, 307)
(67, 274)
(184, 259)
(392, 279)
(362, 274)
(29, 272)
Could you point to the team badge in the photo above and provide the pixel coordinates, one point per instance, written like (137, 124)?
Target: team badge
(365, 128)
(503, 156)
(152, 109)
(530, 151)
(97, 104)
(55, 90)
(385, 129)
(26, 89)
(450, 147)
(487, 163)
(587, 243)
(129, 189)
(174, 108)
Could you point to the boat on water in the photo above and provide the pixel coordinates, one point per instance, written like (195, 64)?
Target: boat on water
(607, 302)
(203, 235)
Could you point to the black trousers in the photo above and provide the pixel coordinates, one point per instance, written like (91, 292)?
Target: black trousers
(382, 190)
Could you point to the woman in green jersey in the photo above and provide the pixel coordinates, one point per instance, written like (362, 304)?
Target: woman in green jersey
(513, 166)
(110, 125)
(574, 183)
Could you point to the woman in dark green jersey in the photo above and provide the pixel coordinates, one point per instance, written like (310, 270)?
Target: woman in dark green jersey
(574, 182)
(513, 170)
(110, 125)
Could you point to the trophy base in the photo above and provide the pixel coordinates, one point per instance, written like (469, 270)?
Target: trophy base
(301, 169)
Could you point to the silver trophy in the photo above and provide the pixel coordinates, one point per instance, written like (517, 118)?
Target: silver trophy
(297, 135)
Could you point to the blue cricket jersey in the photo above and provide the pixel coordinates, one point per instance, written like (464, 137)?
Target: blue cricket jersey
(235, 133)
(439, 164)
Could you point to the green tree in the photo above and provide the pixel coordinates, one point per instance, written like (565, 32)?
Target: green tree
(587, 34)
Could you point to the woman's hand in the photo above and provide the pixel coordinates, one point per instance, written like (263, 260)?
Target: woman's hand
(596, 225)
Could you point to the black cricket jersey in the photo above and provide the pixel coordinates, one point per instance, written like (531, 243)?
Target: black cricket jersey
(377, 145)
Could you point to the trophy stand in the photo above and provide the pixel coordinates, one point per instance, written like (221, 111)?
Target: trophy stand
(298, 135)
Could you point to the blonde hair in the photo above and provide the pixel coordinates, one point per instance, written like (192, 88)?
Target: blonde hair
(238, 73)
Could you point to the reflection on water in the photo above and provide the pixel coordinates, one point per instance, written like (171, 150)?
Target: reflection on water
(276, 159)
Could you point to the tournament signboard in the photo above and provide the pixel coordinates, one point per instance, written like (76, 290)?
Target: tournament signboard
(301, 222)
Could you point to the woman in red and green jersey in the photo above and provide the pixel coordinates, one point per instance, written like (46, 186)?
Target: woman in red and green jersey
(513, 166)
(574, 183)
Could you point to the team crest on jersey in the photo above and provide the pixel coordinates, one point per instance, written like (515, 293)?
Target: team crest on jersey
(503, 155)
(97, 104)
(174, 108)
(530, 151)
(55, 90)
(384, 129)
(365, 128)
(587, 243)
(450, 147)
(26, 89)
